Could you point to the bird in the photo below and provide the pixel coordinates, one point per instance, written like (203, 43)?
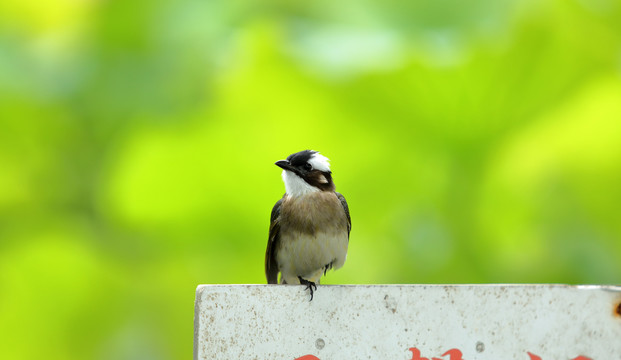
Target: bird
(309, 226)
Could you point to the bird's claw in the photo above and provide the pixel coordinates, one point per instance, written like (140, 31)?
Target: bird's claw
(309, 286)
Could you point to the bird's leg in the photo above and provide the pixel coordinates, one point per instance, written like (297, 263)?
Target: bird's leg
(326, 267)
(309, 286)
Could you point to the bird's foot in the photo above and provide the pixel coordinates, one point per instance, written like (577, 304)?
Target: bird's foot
(326, 268)
(309, 286)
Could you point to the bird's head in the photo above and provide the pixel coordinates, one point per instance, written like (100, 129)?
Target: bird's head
(305, 172)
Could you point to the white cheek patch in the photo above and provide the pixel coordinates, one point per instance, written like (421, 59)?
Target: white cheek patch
(320, 162)
(295, 185)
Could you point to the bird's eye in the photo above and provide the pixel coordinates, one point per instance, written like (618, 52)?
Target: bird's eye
(308, 167)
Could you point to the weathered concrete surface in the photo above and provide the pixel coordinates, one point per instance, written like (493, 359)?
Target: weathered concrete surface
(522, 322)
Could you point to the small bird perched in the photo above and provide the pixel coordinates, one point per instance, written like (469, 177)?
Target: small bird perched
(310, 225)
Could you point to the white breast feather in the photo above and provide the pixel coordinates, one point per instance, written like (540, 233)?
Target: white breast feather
(295, 185)
(306, 255)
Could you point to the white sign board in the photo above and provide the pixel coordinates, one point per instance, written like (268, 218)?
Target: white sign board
(409, 322)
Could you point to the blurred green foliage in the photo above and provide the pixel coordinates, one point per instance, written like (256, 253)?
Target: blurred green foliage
(475, 141)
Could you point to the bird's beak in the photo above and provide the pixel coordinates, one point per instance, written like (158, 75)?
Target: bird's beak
(285, 165)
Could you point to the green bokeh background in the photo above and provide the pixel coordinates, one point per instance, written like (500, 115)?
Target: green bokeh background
(475, 141)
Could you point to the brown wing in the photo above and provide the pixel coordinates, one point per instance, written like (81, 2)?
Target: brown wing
(346, 208)
(271, 266)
